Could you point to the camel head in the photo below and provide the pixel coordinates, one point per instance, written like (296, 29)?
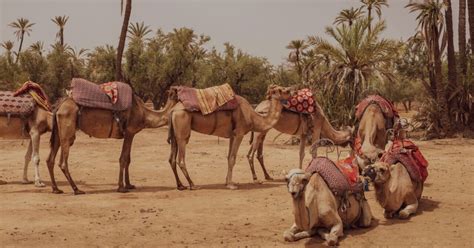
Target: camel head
(296, 180)
(278, 92)
(379, 172)
(370, 154)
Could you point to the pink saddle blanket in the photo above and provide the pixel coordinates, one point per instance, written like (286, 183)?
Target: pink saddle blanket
(301, 102)
(203, 101)
(115, 96)
(18, 106)
(407, 153)
(388, 109)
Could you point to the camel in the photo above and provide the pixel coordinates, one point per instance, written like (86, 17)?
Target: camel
(233, 124)
(295, 124)
(100, 123)
(316, 209)
(395, 191)
(37, 124)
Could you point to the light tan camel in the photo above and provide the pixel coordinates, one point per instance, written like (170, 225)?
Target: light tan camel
(373, 136)
(232, 124)
(395, 191)
(296, 124)
(37, 124)
(100, 123)
(317, 210)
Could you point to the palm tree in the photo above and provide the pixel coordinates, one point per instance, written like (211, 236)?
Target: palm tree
(462, 38)
(8, 45)
(76, 59)
(349, 16)
(295, 56)
(123, 36)
(61, 22)
(138, 31)
(452, 70)
(470, 8)
(37, 47)
(22, 26)
(373, 4)
(431, 24)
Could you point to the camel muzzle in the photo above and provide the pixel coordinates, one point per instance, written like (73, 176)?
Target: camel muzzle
(369, 172)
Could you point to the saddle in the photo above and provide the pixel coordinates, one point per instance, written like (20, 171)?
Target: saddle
(388, 109)
(302, 102)
(208, 100)
(341, 179)
(408, 154)
(114, 96)
(16, 106)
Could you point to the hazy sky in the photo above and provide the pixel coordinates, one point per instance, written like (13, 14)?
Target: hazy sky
(259, 27)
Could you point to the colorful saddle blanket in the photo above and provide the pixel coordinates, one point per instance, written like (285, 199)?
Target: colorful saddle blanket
(16, 106)
(336, 179)
(208, 100)
(407, 153)
(115, 96)
(388, 109)
(301, 102)
(36, 92)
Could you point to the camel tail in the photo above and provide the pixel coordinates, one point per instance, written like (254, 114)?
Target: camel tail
(54, 131)
(171, 136)
(251, 138)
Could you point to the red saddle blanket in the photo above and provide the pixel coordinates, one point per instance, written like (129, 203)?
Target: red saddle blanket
(340, 179)
(301, 102)
(115, 96)
(388, 109)
(36, 92)
(407, 153)
(17, 106)
(208, 100)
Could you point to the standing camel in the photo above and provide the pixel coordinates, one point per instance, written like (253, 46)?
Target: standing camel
(295, 124)
(233, 124)
(100, 123)
(31, 127)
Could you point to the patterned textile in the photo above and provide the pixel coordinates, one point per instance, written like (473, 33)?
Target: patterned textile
(335, 179)
(89, 94)
(20, 106)
(36, 92)
(111, 90)
(208, 100)
(350, 169)
(407, 153)
(301, 102)
(388, 109)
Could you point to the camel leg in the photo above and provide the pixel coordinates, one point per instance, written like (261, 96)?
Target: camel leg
(302, 146)
(27, 161)
(125, 163)
(412, 206)
(294, 233)
(65, 166)
(182, 162)
(260, 158)
(35, 142)
(250, 158)
(234, 148)
(366, 218)
(50, 163)
(336, 230)
(172, 161)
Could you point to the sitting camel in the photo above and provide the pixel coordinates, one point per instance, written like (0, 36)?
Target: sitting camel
(31, 127)
(295, 124)
(101, 123)
(233, 124)
(317, 209)
(395, 190)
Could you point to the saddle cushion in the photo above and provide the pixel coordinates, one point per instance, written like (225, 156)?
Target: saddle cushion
(36, 92)
(407, 153)
(89, 94)
(388, 109)
(208, 100)
(301, 102)
(336, 180)
(19, 106)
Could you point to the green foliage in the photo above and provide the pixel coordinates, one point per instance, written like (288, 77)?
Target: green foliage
(101, 66)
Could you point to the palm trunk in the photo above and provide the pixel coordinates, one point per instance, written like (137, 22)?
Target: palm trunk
(470, 8)
(369, 18)
(462, 38)
(61, 36)
(19, 48)
(121, 45)
(452, 74)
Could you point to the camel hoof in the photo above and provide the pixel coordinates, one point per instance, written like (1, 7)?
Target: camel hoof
(57, 191)
(403, 214)
(26, 181)
(288, 236)
(232, 186)
(269, 178)
(181, 187)
(79, 192)
(256, 181)
(39, 184)
(130, 186)
(122, 190)
(194, 187)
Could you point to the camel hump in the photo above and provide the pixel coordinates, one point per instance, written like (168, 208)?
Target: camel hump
(115, 96)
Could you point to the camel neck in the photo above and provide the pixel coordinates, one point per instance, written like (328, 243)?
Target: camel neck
(328, 131)
(381, 191)
(158, 118)
(263, 124)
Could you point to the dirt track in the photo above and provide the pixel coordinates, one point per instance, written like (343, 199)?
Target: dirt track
(156, 214)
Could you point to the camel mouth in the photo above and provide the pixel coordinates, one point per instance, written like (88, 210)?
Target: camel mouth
(370, 173)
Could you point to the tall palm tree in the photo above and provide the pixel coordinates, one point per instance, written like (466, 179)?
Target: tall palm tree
(452, 70)
(61, 22)
(377, 6)
(138, 31)
(462, 38)
(297, 48)
(8, 45)
(349, 16)
(22, 26)
(123, 36)
(470, 8)
(431, 24)
(37, 47)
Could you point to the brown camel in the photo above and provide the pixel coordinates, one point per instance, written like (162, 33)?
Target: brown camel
(100, 123)
(296, 124)
(37, 123)
(233, 124)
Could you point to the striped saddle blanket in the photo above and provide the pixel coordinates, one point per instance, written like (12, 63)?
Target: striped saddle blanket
(407, 153)
(115, 96)
(388, 109)
(339, 178)
(301, 102)
(18, 106)
(208, 100)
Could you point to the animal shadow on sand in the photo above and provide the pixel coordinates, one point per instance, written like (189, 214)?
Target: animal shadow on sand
(317, 241)
(424, 205)
(241, 186)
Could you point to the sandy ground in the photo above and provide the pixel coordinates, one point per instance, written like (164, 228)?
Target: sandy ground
(156, 214)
